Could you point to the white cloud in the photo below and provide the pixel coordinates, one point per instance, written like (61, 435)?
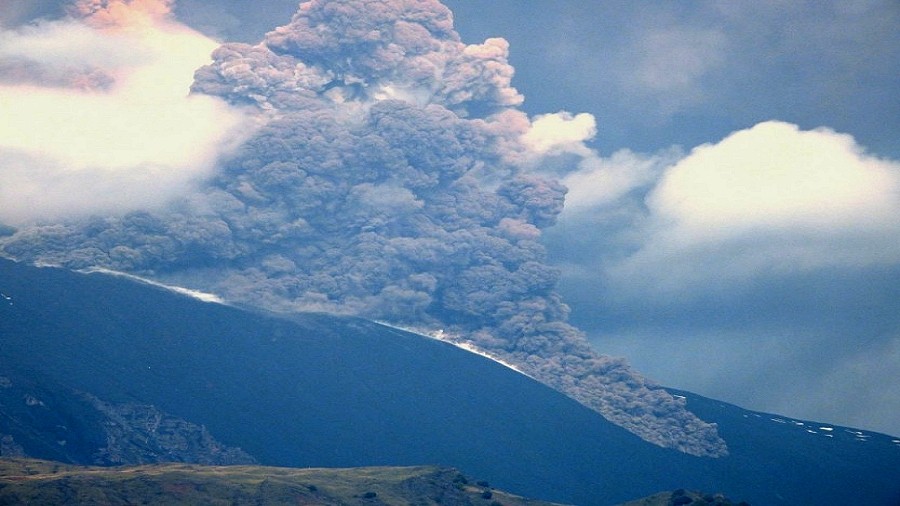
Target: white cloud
(559, 133)
(776, 176)
(602, 182)
(769, 199)
(70, 43)
(70, 148)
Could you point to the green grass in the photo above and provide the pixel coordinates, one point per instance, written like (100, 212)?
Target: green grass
(684, 498)
(28, 481)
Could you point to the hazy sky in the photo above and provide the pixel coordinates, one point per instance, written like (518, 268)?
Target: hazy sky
(736, 230)
(733, 221)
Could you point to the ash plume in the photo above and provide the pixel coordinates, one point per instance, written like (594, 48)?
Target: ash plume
(387, 180)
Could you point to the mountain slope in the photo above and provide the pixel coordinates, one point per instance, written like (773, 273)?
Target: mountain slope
(778, 457)
(83, 353)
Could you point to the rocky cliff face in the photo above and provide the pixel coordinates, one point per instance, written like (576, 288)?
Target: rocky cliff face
(80, 428)
(9, 447)
(142, 434)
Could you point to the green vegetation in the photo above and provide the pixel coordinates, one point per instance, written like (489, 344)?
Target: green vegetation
(28, 481)
(682, 497)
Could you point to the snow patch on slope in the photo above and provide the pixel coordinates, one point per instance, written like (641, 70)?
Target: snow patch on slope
(196, 294)
(457, 341)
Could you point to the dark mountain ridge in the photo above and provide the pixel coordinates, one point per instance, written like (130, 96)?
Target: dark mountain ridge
(95, 365)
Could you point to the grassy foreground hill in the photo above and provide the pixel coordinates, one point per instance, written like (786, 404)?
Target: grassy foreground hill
(29, 481)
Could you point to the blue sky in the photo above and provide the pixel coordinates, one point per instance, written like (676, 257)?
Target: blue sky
(733, 221)
(657, 74)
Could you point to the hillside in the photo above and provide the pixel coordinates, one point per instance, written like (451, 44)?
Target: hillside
(96, 369)
(683, 497)
(27, 481)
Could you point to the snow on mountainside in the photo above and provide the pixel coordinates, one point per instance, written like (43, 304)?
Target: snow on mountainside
(456, 340)
(788, 428)
(196, 294)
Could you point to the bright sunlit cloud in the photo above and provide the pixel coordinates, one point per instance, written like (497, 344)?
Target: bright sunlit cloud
(114, 128)
(602, 181)
(775, 175)
(560, 132)
(772, 198)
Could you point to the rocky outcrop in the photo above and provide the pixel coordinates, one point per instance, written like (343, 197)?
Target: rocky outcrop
(142, 434)
(40, 419)
(9, 447)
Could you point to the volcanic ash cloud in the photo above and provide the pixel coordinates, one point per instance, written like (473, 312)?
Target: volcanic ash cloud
(392, 178)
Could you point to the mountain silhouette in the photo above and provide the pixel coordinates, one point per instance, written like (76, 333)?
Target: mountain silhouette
(100, 369)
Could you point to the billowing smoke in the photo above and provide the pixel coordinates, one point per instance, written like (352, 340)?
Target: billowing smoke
(393, 179)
